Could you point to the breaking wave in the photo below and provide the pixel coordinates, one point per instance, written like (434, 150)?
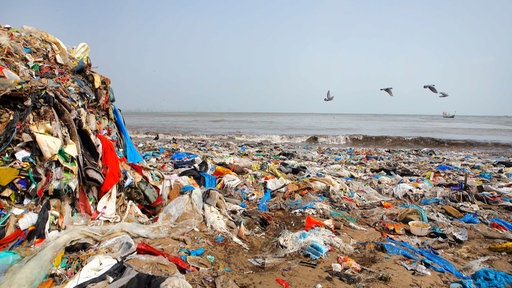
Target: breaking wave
(355, 140)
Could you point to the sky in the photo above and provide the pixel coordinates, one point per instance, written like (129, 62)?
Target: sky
(283, 56)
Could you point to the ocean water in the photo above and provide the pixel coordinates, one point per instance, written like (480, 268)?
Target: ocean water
(329, 128)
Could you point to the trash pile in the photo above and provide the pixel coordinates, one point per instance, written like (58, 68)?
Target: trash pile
(84, 205)
(420, 204)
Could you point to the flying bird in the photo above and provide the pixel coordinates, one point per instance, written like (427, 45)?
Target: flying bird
(328, 97)
(388, 90)
(443, 94)
(431, 87)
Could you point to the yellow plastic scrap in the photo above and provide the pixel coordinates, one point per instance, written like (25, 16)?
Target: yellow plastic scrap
(504, 247)
(7, 174)
(273, 169)
(97, 80)
(58, 259)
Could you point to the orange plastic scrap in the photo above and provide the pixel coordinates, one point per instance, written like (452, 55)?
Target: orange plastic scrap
(47, 283)
(347, 263)
(221, 171)
(399, 228)
(312, 223)
(386, 205)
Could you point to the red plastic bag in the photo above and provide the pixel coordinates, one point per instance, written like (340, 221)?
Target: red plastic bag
(282, 282)
(143, 248)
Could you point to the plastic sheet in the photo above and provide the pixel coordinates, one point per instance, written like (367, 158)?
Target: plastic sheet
(420, 210)
(503, 223)
(144, 248)
(31, 271)
(394, 250)
(298, 241)
(97, 265)
(438, 260)
(470, 218)
(132, 154)
(490, 278)
(118, 247)
(7, 259)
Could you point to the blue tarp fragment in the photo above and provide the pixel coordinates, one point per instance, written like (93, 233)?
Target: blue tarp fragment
(438, 260)
(470, 218)
(503, 223)
(489, 278)
(209, 180)
(132, 154)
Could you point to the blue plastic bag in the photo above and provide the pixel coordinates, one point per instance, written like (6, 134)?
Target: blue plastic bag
(443, 167)
(470, 218)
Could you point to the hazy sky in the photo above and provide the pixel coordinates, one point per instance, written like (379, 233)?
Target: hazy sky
(283, 56)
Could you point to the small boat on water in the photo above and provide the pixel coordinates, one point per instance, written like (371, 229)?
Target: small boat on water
(448, 115)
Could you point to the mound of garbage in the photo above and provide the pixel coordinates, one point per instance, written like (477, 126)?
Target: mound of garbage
(83, 204)
(67, 157)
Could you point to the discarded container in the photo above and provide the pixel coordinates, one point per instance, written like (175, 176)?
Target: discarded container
(419, 228)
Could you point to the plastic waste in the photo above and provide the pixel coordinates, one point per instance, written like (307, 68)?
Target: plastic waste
(96, 265)
(475, 265)
(197, 252)
(144, 248)
(438, 260)
(316, 250)
(394, 250)
(503, 247)
(503, 223)
(282, 282)
(9, 74)
(28, 219)
(7, 259)
(470, 218)
(487, 278)
(460, 234)
(312, 223)
(132, 154)
(118, 247)
(336, 267)
(348, 263)
(415, 266)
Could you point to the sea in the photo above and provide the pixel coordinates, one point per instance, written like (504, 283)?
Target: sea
(335, 129)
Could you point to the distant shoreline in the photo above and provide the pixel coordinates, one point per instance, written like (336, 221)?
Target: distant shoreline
(346, 141)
